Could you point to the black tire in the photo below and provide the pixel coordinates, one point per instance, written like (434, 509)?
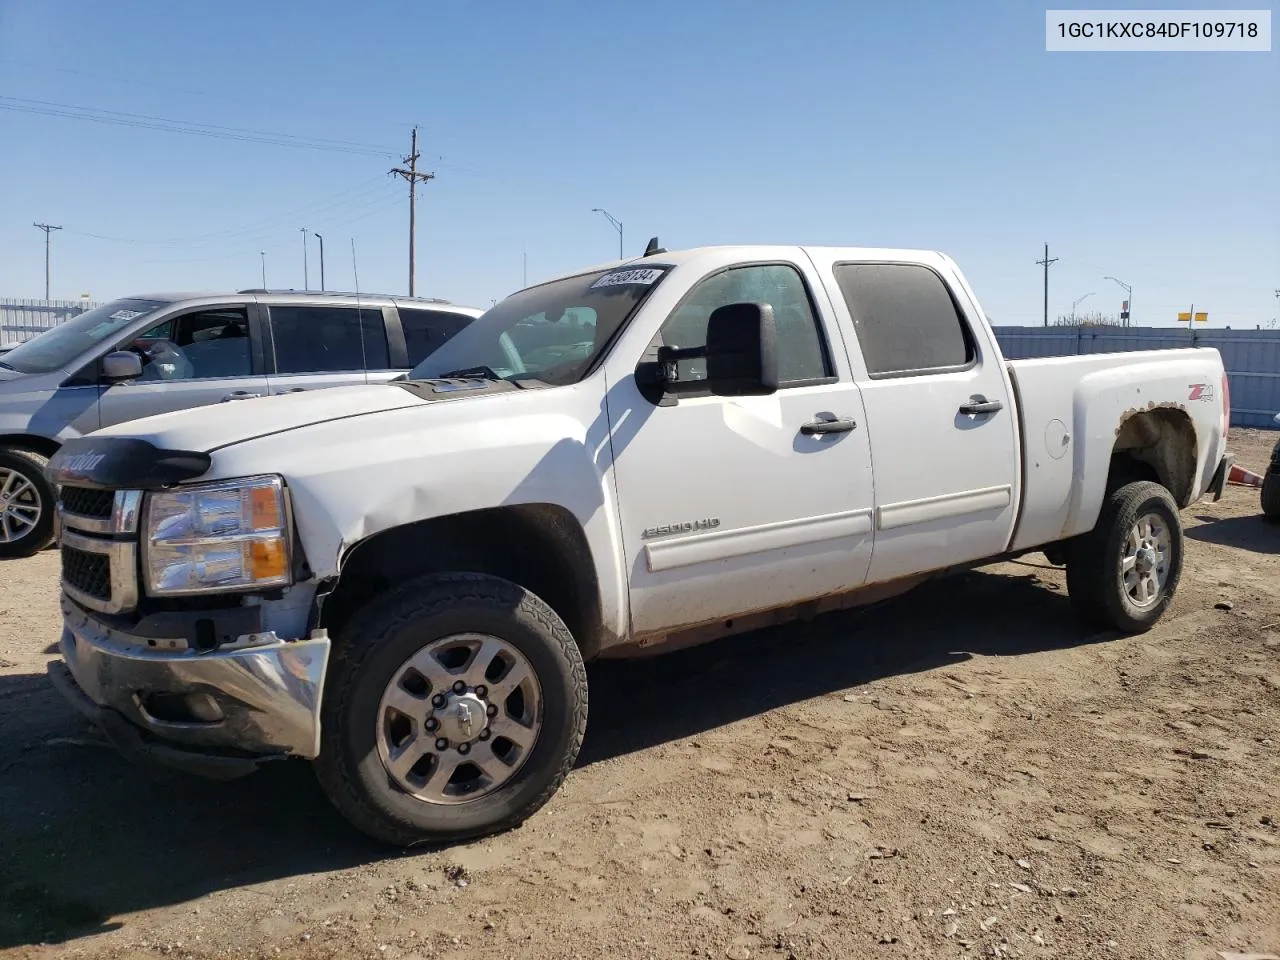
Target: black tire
(1271, 495)
(1095, 581)
(30, 466)
(384, 634)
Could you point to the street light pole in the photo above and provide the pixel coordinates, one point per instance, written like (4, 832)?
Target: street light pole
(321, 239)
(1076, 303)
(306, 281)
(1128, 289)
(617, 225)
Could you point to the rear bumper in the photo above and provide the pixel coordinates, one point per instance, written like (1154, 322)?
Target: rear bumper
(1219, 482)
(218, 714)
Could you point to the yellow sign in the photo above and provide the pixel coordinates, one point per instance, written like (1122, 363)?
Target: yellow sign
(1184, 318)
(1202, 318)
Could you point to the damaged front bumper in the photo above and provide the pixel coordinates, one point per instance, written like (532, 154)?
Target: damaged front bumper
(220, 713)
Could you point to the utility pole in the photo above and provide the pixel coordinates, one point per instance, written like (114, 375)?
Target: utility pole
(47, 228)
(411, 173)
(306, 280)
(1046, 261)
(321, 239)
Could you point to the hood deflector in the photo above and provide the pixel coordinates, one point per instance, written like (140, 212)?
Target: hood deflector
(123, 463)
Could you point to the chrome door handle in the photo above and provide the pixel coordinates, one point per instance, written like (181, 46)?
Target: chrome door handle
(834, 425)
(978, 404)
(240, 395)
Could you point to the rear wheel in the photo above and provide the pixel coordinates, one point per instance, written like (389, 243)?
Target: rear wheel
(26, 504)
(1124, 572)
(455, 707)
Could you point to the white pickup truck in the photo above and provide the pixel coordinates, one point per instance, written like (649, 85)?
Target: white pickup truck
(402, 582)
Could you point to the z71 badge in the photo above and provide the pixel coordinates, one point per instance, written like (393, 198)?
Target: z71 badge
(1200, 391)
(662, 530)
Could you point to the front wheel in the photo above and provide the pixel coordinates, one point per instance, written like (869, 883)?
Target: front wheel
(455, 707)
(1271, 494)
(1124, 572)
(26, 504)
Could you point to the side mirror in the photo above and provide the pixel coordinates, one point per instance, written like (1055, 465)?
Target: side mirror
(742, 352)
(740, 356)
(121, 365)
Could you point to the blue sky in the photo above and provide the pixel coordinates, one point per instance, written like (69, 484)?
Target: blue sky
(932, 124)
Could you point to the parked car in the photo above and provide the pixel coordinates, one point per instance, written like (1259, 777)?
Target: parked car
(153, 354)
(1271, 482)
(403, 581)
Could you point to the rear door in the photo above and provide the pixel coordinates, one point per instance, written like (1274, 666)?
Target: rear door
(943, 429)
(196, 357)
(314, 346)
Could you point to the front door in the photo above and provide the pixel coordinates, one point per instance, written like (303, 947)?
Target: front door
(941, 419)
(196, 358)
(728, 505)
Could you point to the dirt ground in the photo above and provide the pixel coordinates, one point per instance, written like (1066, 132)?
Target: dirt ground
(964, 772)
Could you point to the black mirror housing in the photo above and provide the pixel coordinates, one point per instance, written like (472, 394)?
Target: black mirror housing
(742, 350)
(121, 365)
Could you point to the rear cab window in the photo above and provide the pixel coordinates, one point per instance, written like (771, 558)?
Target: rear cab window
(906, 319)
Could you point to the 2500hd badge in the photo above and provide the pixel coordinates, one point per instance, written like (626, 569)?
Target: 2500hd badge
(708, 523)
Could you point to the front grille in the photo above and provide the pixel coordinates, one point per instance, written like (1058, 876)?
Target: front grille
(86, 502)
(90, 573)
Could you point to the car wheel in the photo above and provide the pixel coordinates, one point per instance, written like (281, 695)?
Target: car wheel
(26, 504)
(454, 708)
(1271, 494)
(1123, 573)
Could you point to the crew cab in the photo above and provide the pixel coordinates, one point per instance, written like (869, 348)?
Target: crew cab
(153, 353)
(401, 582)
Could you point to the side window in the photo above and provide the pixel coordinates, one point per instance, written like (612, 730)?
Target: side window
(425, 331)
(802, 356)
(328, 339)
(905, 318)
(198, 346)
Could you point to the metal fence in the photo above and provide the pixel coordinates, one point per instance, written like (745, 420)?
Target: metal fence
(1252, 357)
(22, 319)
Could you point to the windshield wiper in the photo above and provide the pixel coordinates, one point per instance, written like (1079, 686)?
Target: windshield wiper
(482, 372)
(6, 366)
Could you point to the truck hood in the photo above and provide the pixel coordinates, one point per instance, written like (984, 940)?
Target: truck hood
(218, 425)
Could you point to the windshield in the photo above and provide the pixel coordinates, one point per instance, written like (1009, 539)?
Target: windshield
(551, 333)
(58, 346)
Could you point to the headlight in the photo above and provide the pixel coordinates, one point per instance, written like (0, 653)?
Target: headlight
(216, 537)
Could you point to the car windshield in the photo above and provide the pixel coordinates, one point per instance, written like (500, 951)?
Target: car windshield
(58, 346)
(550, 333)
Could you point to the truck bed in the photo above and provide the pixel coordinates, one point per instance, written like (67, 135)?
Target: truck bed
(1072, 411)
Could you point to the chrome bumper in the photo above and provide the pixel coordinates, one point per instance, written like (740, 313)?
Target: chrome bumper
(257, 701)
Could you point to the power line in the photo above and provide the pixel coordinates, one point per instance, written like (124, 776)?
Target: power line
(70, 111)
(48, 229)
(1046, 261)
(413, 176)
(258, 228)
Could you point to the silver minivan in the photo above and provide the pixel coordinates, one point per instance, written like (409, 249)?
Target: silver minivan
(151, 354)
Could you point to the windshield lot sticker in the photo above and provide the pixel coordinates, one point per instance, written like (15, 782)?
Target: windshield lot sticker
(644, 277)
(125, 315)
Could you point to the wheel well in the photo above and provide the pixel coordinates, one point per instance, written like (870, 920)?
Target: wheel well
(22, 441)
(1158, 445)
(539, 546)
